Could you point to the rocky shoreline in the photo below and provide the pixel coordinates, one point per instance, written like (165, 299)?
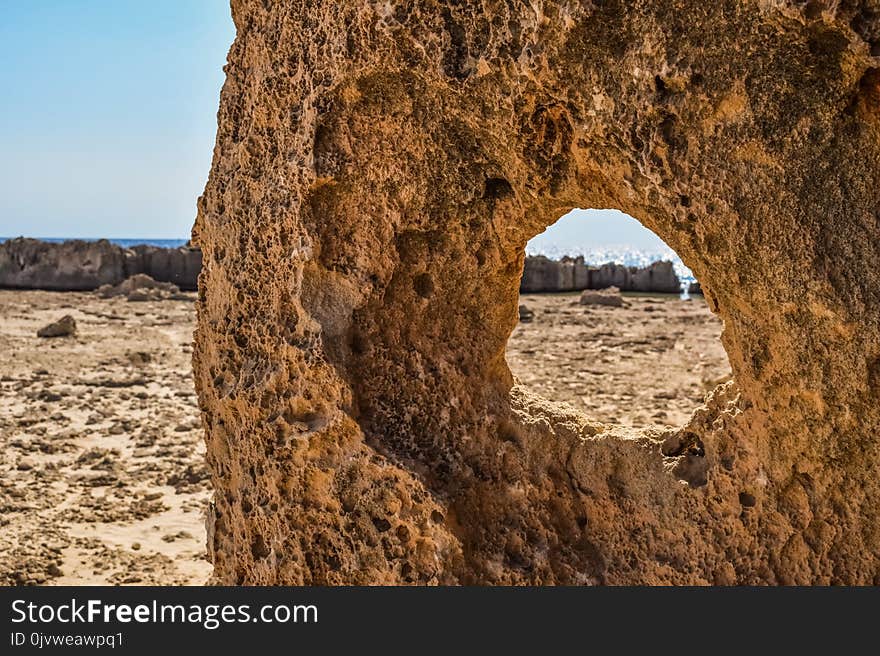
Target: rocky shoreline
(77, 265)
(568, 274)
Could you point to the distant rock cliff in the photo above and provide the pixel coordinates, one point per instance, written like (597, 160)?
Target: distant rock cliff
(77, 265)
(73, 265)
(180, 266)
(542, 274)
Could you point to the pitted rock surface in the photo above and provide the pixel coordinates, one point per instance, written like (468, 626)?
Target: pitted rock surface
(379, 168)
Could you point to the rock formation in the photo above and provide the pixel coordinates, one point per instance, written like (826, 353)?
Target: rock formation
(541, 274)
(656, 277)
(379, 168)
(179, 266)
(525, 314)
(86, 265)
(72, 265)
(64, 327)
(610, 297)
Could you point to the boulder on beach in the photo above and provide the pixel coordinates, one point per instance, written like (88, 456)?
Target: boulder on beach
(609, 296)
(71, 265)
(658, 277)
(140, 287)
(65, 326)
(525, 314)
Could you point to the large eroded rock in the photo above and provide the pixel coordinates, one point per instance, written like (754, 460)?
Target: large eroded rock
(71, 265)
(85, 265)
(379, 168)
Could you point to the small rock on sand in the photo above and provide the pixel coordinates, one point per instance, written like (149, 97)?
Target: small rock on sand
(139, 358)
(525, 314)
(140, 287)
(65, 326)
(609, 296)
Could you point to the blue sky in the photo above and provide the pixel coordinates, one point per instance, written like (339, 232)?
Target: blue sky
(593, 228)
(108, 115)
(108, 119)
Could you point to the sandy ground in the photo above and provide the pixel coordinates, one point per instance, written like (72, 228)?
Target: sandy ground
(649, 362)
(103, 480)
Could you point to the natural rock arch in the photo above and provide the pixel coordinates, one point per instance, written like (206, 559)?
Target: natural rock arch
(379, 168)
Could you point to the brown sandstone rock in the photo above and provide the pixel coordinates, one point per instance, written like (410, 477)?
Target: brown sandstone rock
(609, 296)
(378, 171)
(65, 326)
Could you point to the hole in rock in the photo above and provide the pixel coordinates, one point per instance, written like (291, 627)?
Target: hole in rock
(613, 323)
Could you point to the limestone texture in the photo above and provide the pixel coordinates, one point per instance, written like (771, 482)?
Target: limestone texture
(378, 170)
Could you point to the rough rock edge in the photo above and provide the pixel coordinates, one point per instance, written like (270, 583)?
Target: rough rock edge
(377, 173)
